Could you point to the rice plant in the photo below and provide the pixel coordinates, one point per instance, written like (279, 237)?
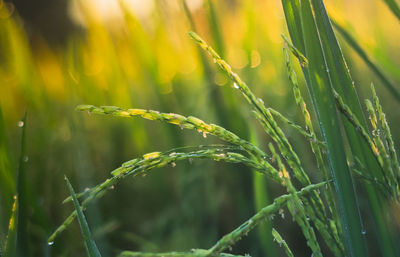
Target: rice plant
(353, 149)
(305, 205)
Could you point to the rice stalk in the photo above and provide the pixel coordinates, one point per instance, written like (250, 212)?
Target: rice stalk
(270, 126)
(182, 121)
(140, 166)
(377, 146)
(296, 206)
(266, 213)
(387, 133)
(192, 253)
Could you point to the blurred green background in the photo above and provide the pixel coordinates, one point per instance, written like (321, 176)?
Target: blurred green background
(55, 55)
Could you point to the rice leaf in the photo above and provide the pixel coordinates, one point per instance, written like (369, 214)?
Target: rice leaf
(7, 183)
(340, 80)
(215, 29)
(11, 243)
(193, 253)
(394, 7)
(318, 82)
(262, 199)
(361, 52)
(17, 241)
(91, 247)
(22, 193)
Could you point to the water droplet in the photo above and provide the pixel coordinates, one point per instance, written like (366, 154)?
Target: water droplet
(363, 232)
(26, 158)
(376, 132)
(261, 100)
(50, 243)
(173, 164)
(112, 187)
(20, 123)
(235, 85)
(282, 213)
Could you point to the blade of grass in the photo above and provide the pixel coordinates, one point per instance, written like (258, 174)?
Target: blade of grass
(17, 242)
(361, 52)
(22, 234)
(11, 243)
(193, 253)
(7, 183)
(307, 39)
(341, 81)
(316, 148)
(215, 27)
(91, 247)
(394, 7)
(262, 199)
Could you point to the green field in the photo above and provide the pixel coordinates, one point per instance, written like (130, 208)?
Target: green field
(202, 128)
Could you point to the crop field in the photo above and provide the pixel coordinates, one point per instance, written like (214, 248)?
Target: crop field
(199, 128)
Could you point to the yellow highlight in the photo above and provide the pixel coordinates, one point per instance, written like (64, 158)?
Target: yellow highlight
(124, 114)
(152, 155)
(255, 59)
(11, 225)
(136, 111)
(284, 174)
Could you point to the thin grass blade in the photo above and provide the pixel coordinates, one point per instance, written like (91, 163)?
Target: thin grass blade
(22, 193)
(307, 39)
(11, 243)
(7, 183)
(394, 7)
(91, 247)
(361, 52)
